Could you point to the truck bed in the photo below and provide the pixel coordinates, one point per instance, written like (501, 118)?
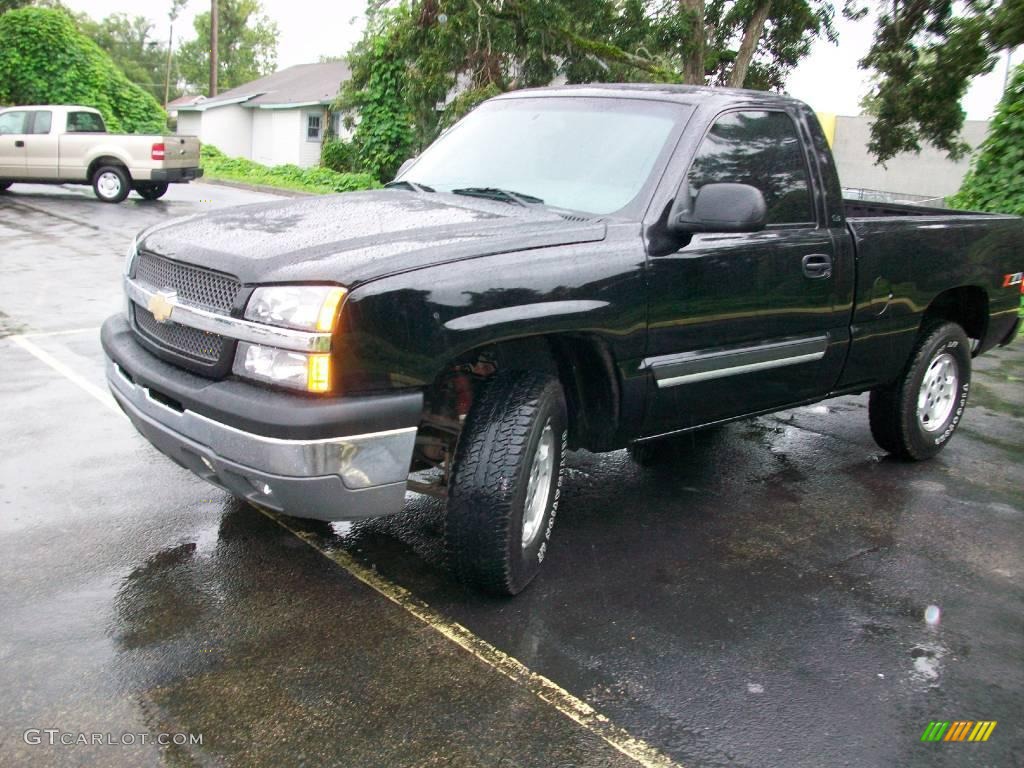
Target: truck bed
(868, 209)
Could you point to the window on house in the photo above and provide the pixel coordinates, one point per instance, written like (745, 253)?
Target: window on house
(313, 128)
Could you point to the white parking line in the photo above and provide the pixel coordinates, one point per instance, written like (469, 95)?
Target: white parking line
(542, 687)
(44, 334)
(87, 386)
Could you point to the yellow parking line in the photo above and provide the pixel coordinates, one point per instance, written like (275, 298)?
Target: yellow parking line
(543, 688)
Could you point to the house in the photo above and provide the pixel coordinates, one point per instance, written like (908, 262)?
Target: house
(278, 119)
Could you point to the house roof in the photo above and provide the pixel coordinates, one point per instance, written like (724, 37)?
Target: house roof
(298, 86)
(184, 101)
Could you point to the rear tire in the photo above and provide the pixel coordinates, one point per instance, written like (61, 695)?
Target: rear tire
(506, 481)
(914, 417)
(152, 190)
(111, 183)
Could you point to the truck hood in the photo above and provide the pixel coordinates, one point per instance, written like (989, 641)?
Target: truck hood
(360, 236)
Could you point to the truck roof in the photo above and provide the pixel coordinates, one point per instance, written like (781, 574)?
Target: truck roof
(682, 94)
(51, 106)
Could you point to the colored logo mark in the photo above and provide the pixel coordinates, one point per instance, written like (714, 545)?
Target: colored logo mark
(958, 730)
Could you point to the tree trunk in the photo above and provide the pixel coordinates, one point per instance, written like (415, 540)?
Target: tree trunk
(748, 46)
(693, 56)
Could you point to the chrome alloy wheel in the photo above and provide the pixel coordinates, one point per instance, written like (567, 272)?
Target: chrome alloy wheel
(937, 395)
(539, 487)
(108, 184)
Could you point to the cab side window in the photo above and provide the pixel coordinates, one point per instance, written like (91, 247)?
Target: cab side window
(761, 149)
(84, 122)
(41, 122)
(13, 123)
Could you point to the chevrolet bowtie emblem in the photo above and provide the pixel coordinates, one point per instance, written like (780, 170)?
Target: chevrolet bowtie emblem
(161, 305)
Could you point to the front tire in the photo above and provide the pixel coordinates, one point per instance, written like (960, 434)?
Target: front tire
(111, 183)
(914, 417)
(506, 481)
(152, 190)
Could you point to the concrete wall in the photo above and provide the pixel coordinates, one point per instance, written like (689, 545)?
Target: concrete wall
(929, 174)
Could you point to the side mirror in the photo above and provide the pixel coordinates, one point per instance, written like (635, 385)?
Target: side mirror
(719, 208)
(405, 166)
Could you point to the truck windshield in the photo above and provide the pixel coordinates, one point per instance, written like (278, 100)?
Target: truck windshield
(586, 154)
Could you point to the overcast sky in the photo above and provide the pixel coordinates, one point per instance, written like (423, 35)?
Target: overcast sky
(828, 79)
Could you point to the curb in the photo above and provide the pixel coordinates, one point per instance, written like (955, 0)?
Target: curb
(256, 187)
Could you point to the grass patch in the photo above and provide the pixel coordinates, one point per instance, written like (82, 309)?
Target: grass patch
(217, 165)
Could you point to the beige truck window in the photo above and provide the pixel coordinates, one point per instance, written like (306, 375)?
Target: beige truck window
(13, 123)
(42, 121)
(85, 122)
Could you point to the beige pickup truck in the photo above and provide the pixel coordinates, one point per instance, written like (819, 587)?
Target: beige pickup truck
(70, 145)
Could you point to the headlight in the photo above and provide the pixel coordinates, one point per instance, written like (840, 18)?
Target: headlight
(297, 370)
(303, 307)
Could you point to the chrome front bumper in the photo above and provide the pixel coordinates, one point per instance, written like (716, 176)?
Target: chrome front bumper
(340, 478)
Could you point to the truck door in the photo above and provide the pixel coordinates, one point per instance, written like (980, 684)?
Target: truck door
(41, 146)
(13, 127)
(740, 323)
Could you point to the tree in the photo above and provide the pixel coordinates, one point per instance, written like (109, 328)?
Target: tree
(996, 180)
(45, 59)
(246, 47)
(457, 53)
(128, 41)
(925, 53)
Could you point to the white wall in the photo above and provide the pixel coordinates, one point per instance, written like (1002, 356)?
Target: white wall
(930, 173)
(228, 128)
(189, 123)
(309, 151)
(275, 135)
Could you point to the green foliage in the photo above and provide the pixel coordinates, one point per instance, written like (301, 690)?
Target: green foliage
(338, 155)
(129, 42)
(996, 180)
(415, 55)
(44, 59)
(383, 138)
(925, 55)
(246, 46)
(217, 165)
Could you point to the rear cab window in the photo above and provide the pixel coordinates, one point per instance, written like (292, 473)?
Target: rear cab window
(761, 148)
(85, 122)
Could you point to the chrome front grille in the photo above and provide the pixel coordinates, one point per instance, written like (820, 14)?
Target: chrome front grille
(194, 285)
(182, 339)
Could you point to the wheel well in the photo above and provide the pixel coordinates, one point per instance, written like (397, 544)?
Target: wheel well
(582, 363)
(967, 306)
(99, 162)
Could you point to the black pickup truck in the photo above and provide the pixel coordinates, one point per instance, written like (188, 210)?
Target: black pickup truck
(595, 267)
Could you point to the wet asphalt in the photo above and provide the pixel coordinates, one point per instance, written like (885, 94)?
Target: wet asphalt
(759, 602)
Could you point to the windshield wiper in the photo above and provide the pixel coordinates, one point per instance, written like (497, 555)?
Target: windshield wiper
(494, 193)
(410, 185)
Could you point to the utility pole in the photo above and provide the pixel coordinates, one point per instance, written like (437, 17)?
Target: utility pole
(173, 15)
(213, 48)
